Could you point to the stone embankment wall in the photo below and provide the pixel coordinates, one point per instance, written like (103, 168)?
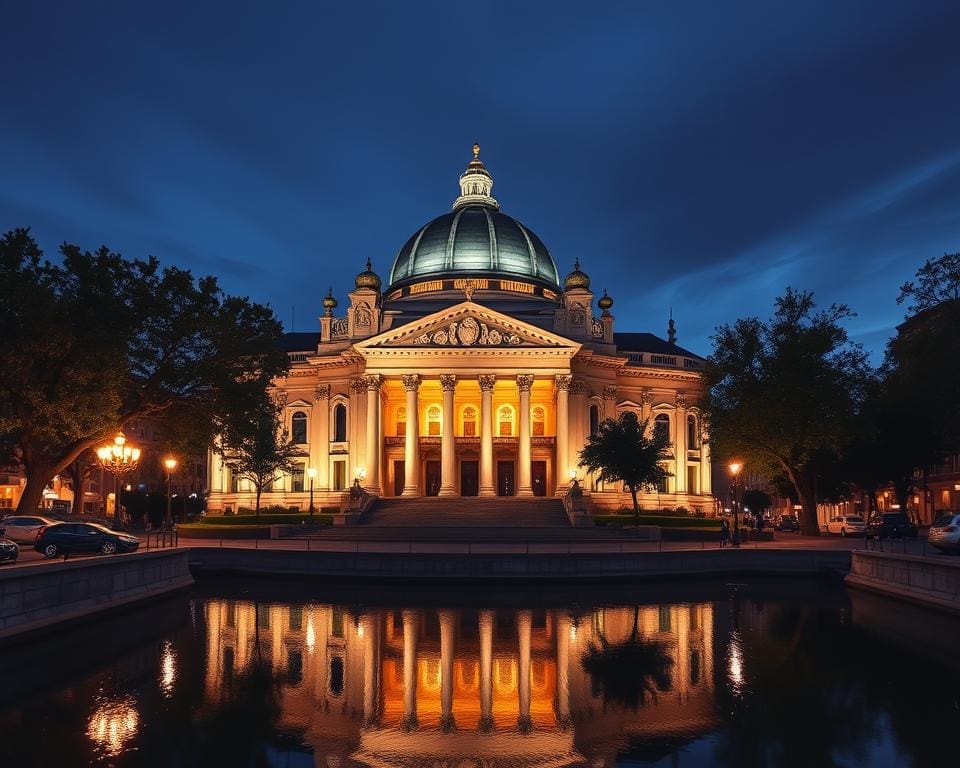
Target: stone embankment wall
(932, 580)
(36, 597)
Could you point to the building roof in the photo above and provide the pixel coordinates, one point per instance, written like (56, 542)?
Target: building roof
(647, 342)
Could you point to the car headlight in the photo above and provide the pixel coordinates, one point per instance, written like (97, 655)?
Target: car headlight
(130, 540)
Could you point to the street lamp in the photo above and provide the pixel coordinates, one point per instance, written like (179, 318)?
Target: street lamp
(171, 464)
(311, 473)
(735, 469)
(118, 459)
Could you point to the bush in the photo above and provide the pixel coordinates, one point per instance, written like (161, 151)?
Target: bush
(665, 521)
(319, 518)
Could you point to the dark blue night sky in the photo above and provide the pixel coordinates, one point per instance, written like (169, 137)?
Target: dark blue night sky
(694, 155)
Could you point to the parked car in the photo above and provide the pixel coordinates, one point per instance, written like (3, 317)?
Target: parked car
(24, 528)
(945, 532)
(9, 551)
(76, 538)
(787, 523)
(847, 525)
(891, 525)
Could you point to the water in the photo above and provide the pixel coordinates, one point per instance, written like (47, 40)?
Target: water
(763, 673)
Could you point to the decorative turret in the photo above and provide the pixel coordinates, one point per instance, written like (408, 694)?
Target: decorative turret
(329, 303)
(605, 302)
(576, 279)
(368, 278)
(671, 329)
(476, 184)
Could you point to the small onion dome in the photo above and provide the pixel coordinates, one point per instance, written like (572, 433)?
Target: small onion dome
(368, 278)
(605, 302)
(329, 302)
(576, 279)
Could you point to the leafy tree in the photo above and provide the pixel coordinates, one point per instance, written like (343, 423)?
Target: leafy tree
(256, 448)
(782, 392)
(622, 452)
(937, 283)
(94, 340)
(757, 501)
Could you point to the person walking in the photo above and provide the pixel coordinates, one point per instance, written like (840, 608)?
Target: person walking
(724, 533)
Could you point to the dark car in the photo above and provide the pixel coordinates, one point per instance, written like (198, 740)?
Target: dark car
(787, 523)
(891, 525)
(76, 538)
(9, 551)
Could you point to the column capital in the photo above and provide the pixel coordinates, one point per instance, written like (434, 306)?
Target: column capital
(524, 381)
(374, 380)
(279, 398)
(563, 381)
(646, 397)
(681, 400)
(610, 392)
(358, 385)
(448, 382)
(578, 387)
(411, 381)
(487, 380)
(321, 392)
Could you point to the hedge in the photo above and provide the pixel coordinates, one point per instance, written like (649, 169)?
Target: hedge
(318, 518)
(663, 521)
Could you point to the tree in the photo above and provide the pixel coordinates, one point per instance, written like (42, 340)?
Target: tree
(95, 340)
(621, 452)
(255, 447)
(937, 283)
(757, 501)
(784, 392)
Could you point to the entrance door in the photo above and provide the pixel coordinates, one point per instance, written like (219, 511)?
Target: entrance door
(433, 479)
(469, 478)
(505, 482)
(399, 476)
(538, 476)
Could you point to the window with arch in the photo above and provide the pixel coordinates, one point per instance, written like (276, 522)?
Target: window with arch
(470, 421)
(339, 423)
(298, 428)
(539, 418)
(594, 419)
(693, 434)
(505, 421)
(433, 420)
(661, 425)
(401, 421)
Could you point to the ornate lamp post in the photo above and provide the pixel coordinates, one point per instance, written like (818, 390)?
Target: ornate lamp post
(171, 464)
(735, 468)
(118, 459)
(312, 474)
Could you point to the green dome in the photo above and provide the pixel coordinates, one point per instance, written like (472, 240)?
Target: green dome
(474, 241)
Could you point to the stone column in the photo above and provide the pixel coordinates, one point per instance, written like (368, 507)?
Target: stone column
(563, 467)
(563, 670)
(410, 623)
(706, 484)
(486, 671)
(448, 449)
(373, 435)
(356, 424)
(524, 625)
(486, 435)
(524, 486)
(680, 443)
(411, 449)
(610, 402)
(320, 448)
(448, 625)
(646, 404)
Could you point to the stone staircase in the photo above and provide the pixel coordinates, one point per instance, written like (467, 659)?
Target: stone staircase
(468, 512)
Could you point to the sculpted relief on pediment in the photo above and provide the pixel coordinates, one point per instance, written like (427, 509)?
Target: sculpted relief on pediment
(468, 332)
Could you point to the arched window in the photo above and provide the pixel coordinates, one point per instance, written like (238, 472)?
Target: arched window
(469, 421)
(401, 421)
(693, 434)
(539, 417)
(339, 423)
(594, 419)
(298, 429)
(661, 425)
(505, 421)
(433, 420)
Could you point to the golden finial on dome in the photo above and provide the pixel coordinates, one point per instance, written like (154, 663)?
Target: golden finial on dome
(476, 150)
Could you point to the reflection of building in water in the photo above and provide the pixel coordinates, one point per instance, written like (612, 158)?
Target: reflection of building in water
(423, 687)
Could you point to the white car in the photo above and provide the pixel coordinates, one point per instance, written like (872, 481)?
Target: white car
(945, 533)
(847, 525)
(24, 528)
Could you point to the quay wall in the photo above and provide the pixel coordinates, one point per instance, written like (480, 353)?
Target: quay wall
(39, 596)
(932, 580)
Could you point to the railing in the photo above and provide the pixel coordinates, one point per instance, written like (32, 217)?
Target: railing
(162, 539)
(298, 357)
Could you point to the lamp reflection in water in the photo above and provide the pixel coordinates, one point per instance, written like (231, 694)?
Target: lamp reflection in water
(113, 724)
(168, 669)
(735, 663)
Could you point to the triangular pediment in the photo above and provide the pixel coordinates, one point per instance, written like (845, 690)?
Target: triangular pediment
(466, 325)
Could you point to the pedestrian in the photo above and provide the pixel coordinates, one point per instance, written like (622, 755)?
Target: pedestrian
(759, 523)
(724, 533)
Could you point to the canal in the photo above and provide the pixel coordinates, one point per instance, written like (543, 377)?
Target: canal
(771, 672)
